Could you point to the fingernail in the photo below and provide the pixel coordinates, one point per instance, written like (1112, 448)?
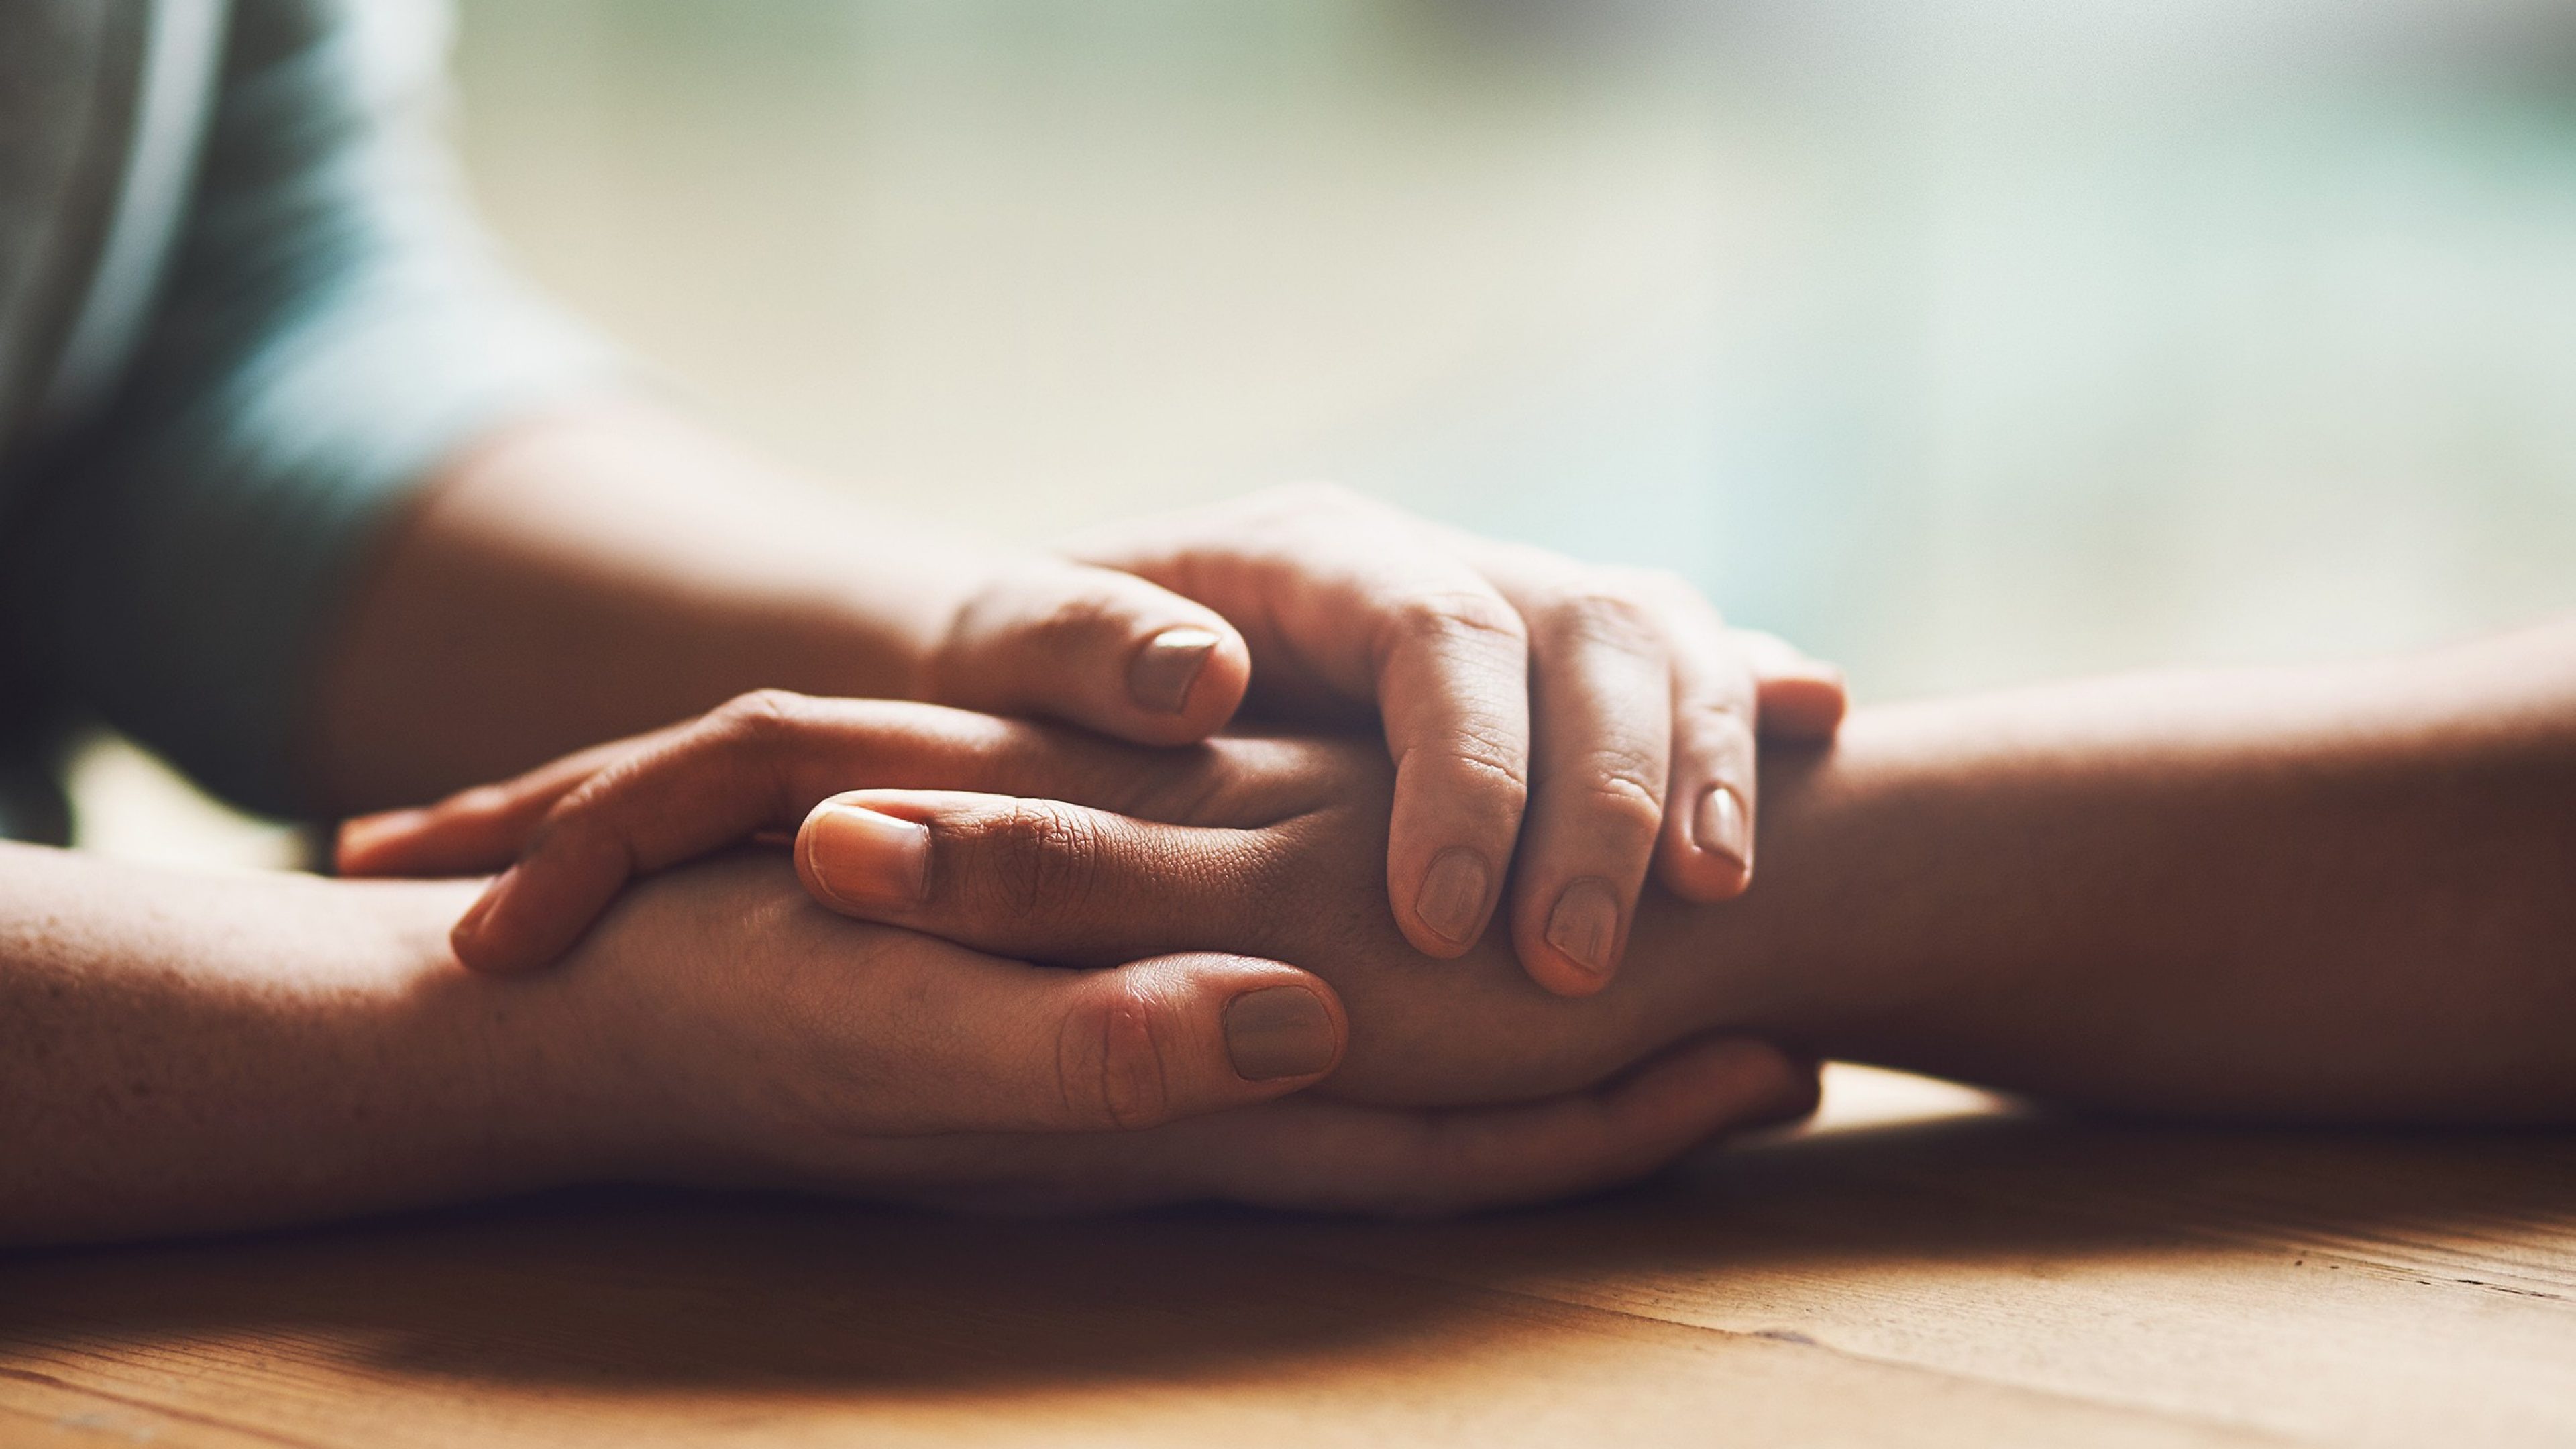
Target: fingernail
(363, 835)
(1163, 671)
(866, 857)
(1585, 924)
(1452, 899)
(1718, 826)
(1278, 1031)
(467, 934)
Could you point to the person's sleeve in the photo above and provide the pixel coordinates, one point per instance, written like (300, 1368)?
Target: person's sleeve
(332, 327)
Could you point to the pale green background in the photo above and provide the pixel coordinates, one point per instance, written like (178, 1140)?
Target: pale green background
(1967, 342)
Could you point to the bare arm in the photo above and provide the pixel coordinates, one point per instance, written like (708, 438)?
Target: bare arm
(2340, 893)
(2345, 892)
(600, 571)
(594, 573)
(200, 1053)
(246, 1049)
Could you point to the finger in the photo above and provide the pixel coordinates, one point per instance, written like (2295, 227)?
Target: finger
(1452, 683)
(1601, 686)
(952, 1041)
(1096, 647)
(758, 763)
(1339, 595)
(1802, 699)
(1464, 1160)
(1037, 878)
(1310, 1154)
(1706, 849)
(475, 830)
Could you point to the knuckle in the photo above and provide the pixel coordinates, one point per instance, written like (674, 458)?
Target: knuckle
(1499, 767)
(763, 716)
(576, 835)
(1038, 856)
(1720, 724)
(1111, 1062)
(1079, 611)
(1601, 614)
(480, 800)
(1482, 761)
(1469, 615)
(1619, 788)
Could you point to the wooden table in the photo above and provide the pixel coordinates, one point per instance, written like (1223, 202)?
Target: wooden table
(1921, 1269)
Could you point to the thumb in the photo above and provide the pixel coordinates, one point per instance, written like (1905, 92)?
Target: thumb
(1094, 647)
(1165, 1038)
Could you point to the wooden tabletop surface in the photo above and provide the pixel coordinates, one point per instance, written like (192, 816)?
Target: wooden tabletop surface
(1921, 1268)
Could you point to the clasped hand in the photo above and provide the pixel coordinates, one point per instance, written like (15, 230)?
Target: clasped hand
(1263, 910)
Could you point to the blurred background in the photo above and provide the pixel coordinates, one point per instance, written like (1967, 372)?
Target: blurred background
(1963, 341)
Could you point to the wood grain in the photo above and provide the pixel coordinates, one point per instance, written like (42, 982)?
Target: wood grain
(1925, 1268)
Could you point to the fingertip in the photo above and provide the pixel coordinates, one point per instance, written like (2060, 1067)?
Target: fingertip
(511, 929)
(1096, 647)
(1283, 1035)
(1706, 851)
(1255, 1030)
(861, 860)
(1807, 706)
(1741, 1083)
(1185, 681)
(472, 938)
(1553, 976)
(364, 843)
(1698, 876)
(1450, 901)
(1571, 946)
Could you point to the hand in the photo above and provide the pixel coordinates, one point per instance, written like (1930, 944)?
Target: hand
(1612, 703)
(766, 1041)
(586, 824)
(1641, 748)
(733, 1002)
(1265, 845)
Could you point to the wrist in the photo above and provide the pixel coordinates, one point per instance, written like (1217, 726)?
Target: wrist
(1790, 960)
(518, 1070)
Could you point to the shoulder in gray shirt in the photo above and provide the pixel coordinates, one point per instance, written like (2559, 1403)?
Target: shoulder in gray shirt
(242, 312)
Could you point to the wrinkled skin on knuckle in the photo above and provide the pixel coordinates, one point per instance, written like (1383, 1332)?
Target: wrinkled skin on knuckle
(1112, 1066)
(1202, 784)
(763, 716)
(1033, 858)
(1078, 615)
(1720, 714)
(1605, 617)
(1451, 620)
(1620, 789)
(1485, 756)
(1033, 610)
(1720, 739)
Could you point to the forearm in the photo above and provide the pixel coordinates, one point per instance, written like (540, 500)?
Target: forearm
(189, 1052)
(606, 570)
(2345, 893)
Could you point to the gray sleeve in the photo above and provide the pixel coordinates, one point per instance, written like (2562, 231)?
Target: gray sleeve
(331, 326)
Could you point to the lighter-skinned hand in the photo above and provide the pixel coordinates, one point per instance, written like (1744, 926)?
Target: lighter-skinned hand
(1558, 731)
